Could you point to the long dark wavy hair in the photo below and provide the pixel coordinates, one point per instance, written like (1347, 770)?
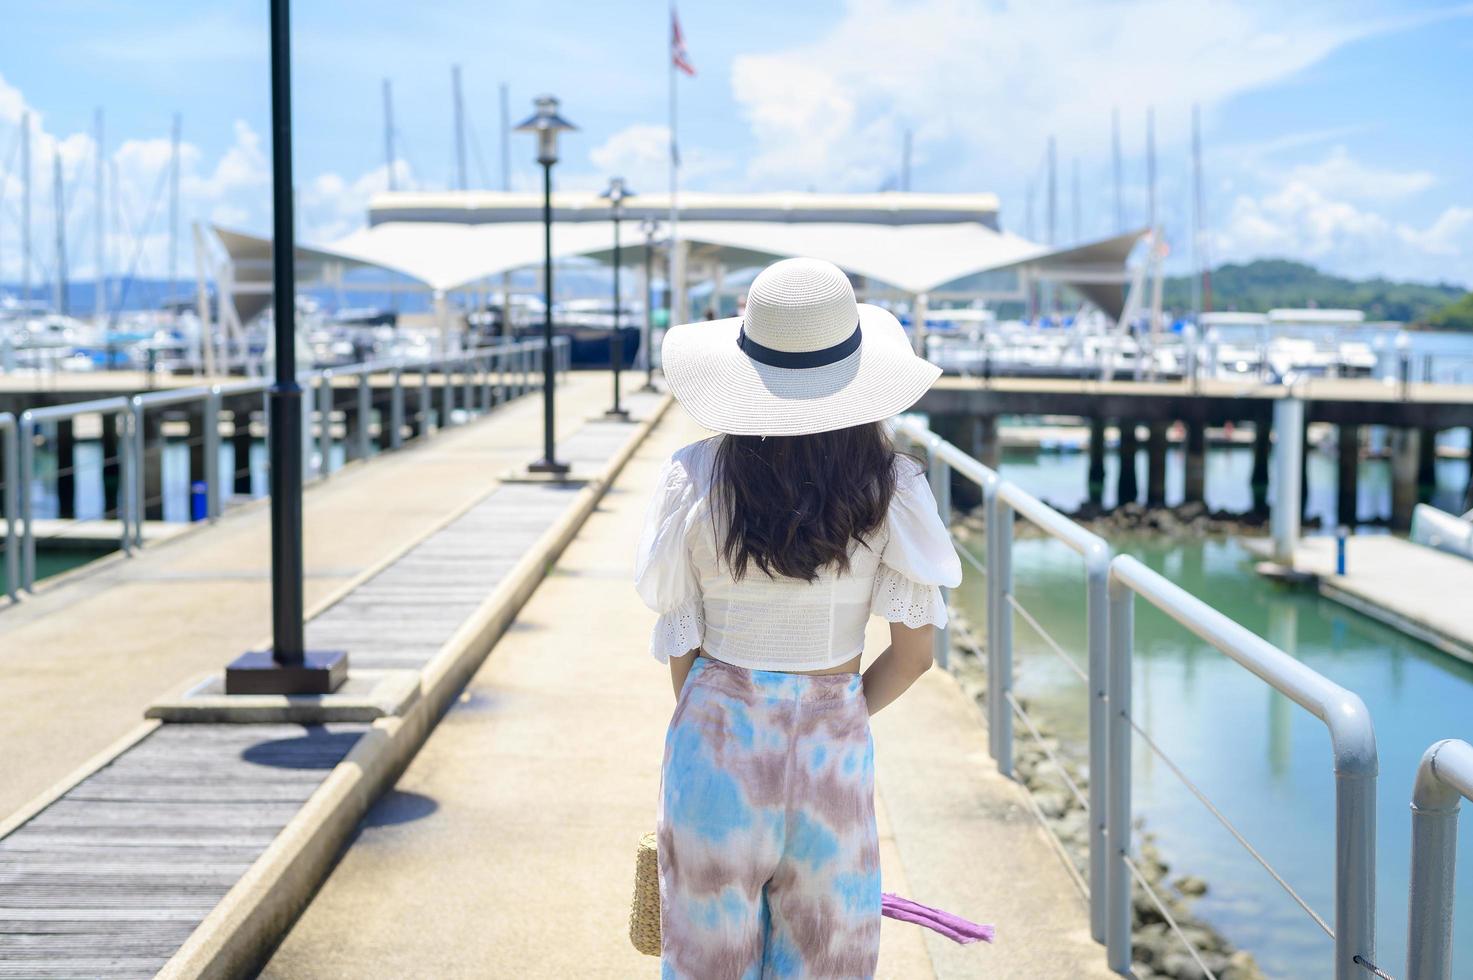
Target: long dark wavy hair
(791, 505)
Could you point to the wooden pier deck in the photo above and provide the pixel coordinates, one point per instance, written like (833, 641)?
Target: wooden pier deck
(85, 657)
(112, 876)
(506, 848)
(1418, 590)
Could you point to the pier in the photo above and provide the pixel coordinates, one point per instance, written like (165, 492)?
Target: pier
(475, 793)
(966, 411)
(1414, 588)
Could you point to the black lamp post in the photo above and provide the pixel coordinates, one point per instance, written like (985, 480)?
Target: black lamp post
(616, 194)
(288, 667)
(649, 226)
(546, 123)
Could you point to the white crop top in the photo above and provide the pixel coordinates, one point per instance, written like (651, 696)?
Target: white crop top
(767, 623)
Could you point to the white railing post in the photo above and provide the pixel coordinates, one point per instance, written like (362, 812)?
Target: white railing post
(213, 494)
(1444, 778)
(12, 496)
(27, 465)
(447, 396)
(1288, 453)
(140, 464)
(1000, 662)
(365, 413)
(1097, 618)
(939, 475)
(1117, 772)
(123, 421)
(324, 423)
(396, 410)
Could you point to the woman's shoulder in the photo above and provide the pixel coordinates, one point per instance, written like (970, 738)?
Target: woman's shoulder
(690, 466)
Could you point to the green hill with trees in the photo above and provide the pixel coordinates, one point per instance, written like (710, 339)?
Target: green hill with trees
(1266, 284)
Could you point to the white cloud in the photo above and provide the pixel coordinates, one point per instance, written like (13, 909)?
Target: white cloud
(983, 85)
(1301, 220)
(641, 155)
(1339, 175)
(332, 205)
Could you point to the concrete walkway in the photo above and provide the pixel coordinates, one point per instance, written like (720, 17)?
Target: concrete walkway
(1416, 589)
(507, 847)
(85, 657)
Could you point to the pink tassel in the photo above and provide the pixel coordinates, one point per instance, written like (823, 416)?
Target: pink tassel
(953, 927)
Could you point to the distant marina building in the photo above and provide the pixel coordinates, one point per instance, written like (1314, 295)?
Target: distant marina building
(907, 250)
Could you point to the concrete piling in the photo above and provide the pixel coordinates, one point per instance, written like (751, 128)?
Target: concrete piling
(1156, 465)
(1406, 447)
(1262, 446)
(111, 464)
(1196, 461)
(1347, 488)
(1097, 461)
(240, 441)
(1127, 490)
(153, 466)
(1427, 466)
(66, 469)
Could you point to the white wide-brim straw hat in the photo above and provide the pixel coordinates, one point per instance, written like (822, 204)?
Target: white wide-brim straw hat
(805, 358)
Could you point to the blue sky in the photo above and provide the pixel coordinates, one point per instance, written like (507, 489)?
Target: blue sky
(1337, 133)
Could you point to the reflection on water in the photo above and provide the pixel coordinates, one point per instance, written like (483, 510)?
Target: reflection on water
(1261, 759)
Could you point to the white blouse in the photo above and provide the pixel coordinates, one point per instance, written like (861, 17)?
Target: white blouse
(765, 623)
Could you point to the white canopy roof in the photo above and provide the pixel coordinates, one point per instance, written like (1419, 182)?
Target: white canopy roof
(914, 243)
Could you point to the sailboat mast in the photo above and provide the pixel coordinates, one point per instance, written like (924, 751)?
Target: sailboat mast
(459, 126)
(1199, 218)
(905, 162)
(505, 140)
(1115, 152)
(1074, 193)
(25, 205)
(174, 205)
(99, 285)
(389, 135)
(1151, 168)
(59, 195)
(1053, 193)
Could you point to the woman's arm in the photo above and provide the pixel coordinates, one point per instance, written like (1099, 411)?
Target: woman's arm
(679, 667)
(906, 658)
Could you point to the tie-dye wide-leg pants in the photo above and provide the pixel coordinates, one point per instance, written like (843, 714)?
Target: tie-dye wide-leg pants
(769, 860)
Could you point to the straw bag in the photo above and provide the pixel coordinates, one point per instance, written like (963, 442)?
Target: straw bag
(644, 913)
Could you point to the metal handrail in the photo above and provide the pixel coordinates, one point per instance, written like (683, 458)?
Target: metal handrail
(1444, 779)
(25, 468)
(11, 471)
(1352, 740)
(1002, 501)
(18, 435)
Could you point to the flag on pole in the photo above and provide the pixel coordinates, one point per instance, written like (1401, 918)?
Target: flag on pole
(679, 57)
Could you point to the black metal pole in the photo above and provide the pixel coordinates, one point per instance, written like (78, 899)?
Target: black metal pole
(548, 463)
(616, 340)
(288, 640)
(649, 311)
(289, 668)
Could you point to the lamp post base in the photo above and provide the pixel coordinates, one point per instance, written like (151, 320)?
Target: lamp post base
(257, 672)
(617, 415)
(546, 465)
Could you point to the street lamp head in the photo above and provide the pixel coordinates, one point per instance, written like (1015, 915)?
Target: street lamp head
(546, 123)
(615, 195)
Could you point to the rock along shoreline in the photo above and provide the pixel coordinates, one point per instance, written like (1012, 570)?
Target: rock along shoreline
(1157, 952)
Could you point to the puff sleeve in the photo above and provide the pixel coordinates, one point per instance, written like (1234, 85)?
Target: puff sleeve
(918, 558)
(663, 574)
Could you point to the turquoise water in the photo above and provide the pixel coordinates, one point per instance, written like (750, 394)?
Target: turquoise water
(1262, 760)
